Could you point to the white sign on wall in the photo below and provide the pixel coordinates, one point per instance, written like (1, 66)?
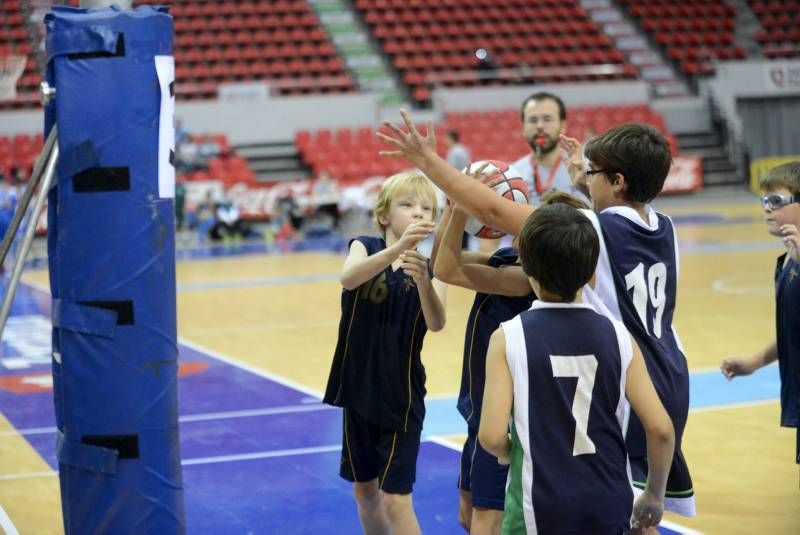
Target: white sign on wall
(783, 76)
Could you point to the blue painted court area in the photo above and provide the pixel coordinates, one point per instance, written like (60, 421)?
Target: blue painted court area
(259, 455)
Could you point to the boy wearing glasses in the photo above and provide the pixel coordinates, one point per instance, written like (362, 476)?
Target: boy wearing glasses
(637, 272)
(781, 203)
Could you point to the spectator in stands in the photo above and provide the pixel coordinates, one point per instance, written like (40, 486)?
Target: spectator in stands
(8, 203)
(228, 222)
(180, 202)
(486, 66)
(457, 154)
(544, 118)
(325, 196)
(181, 133)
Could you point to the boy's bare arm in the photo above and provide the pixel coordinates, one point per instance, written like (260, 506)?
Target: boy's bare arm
(498, 400)
(359, 267)
(474, 197)
(432, 293)
(657, 424)
(736, 366)
(439, 233)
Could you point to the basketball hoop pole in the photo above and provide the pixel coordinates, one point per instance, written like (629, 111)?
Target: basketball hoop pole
(46, 160)
(36, 175)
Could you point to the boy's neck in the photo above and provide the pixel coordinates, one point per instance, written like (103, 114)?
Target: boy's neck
(639, 207)
(548, 297)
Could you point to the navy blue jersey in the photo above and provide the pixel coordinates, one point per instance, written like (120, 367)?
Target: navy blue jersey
(568, 364)
(787, 316)
(488, 312)
(377, 370)
(643, 264)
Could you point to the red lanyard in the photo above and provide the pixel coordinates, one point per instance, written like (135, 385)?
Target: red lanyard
(541, 188)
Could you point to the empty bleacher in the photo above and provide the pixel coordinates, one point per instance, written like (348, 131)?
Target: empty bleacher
(432, 41)
(280, 42)
(694, 34)
(15, 40)
(780, 20)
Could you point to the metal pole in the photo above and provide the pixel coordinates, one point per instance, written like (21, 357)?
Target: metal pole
(22, 207)
(49, 171)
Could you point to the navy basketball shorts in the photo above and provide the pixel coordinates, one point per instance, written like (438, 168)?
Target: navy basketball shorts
(370, 452)
(482, 475)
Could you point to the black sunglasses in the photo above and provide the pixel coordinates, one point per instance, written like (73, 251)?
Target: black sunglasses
(774, 201)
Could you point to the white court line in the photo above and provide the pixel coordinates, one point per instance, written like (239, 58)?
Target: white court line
(6, 523)
(28, 475)
(201, 417)
(252, 369)
(681, 529)
(260, 455)
(742, 405)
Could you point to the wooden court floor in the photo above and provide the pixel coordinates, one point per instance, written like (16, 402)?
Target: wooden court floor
(279, 313)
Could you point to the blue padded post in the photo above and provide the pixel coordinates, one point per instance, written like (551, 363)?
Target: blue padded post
(111, 244)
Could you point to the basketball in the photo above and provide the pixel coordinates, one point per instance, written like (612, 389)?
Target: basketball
(507, 183)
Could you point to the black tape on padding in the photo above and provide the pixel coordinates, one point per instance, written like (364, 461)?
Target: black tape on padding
(124, 309)
(126, 445)
(119, 52)
(102, 179)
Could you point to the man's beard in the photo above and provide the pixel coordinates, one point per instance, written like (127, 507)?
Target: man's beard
(547, 147)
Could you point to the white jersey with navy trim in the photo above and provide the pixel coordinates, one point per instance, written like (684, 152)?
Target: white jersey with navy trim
(569, 470)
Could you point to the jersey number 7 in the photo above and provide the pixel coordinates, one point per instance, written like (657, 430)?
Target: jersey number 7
(584, 367)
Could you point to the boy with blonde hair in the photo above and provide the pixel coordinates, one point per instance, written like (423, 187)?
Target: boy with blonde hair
(388, 303)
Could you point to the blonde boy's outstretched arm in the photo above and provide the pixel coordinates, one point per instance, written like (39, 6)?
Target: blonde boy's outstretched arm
(644, 400)
(359, 266)
(498, 400)
(475, 198)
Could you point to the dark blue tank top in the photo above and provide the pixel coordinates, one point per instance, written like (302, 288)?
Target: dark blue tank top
(487, 313)
(644, 268)
(377, 370)
(787, 316)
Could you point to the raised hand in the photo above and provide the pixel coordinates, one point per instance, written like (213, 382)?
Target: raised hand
(415, 233)
(410, 144)
(791, 239)
(573, 157)
(416, 266)
(478, 174)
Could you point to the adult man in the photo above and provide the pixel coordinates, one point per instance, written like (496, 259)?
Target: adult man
(544, 118)
(457, 154)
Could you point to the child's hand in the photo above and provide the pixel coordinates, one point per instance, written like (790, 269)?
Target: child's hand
(416, 266)
(647, 512)
(411, 145)
(415, 233)
(573, 156)
(736, 366)
(791, 239)
(478, 174)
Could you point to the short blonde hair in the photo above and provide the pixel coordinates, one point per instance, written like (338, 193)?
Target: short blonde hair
(783, 176)
(412, 182)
